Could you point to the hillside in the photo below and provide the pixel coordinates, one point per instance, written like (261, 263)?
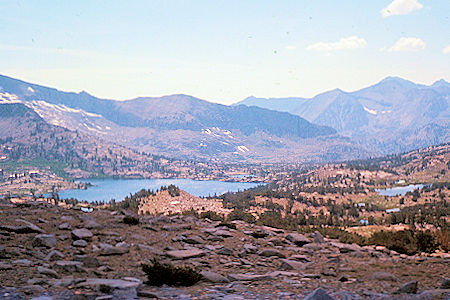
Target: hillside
(391, 116)
(26, 138)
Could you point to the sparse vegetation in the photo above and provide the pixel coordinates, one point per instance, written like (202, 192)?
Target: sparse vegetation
(164, 273)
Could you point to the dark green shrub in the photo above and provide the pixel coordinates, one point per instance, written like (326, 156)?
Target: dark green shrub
(341, 235)
(405, 241)
(130, 220)
(425, 241)
(238, 214)
(163, 273)
(212, 215)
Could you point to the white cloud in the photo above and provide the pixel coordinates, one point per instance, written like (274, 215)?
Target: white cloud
(291, 47)
(400, 7)
(408, 44)
(348, 43)
(446, 50)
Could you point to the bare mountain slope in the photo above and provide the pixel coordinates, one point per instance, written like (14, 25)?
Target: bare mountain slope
(186, 127)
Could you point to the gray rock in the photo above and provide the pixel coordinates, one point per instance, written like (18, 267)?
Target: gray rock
(79, 243)
(67, 218)
(223, 233)
(88, 261)
(82, 234)
(32, 289)
(445, 283)
(408, 288)
(112, 284)
(147, 294)
(107, 250)
(185, 254)
(214, 277)
(176, 227)
(433, 294)
(225, 251)
(318, 294)
(54, 255)
(345, 248)
(23, 262)
(385, 276)
(195, 239)
(287, 264)
(45, 240)
(64, 226)
(10, 293)
(68, 266)
(48, 272)
(249, 248)
(151, 249)
(27, 228)
(5, 266)
(298, 239)
(318, 238)
(3, 253)
(248, 277)
(271, 252)
(92, 224)
(299, 257)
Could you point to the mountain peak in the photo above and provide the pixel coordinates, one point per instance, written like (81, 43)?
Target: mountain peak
(441, 82)
(396, 79)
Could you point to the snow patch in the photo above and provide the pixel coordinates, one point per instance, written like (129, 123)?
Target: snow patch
(30, 89)
(243, 149)
(370, 111)
(9, 98)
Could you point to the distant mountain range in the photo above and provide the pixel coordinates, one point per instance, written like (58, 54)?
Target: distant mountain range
(182, 126)
(393, 115)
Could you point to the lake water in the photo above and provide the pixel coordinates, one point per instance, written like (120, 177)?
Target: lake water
(399, 190)
(107, 189)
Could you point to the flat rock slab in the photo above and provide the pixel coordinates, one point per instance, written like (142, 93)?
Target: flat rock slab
(318, 294)
(214, 277)
(248, 277)
(176, 227)
(185, 254)
(298, 239)
(45, 240)
(68, 266)
(82, 234)
(113, 284)
(271, 252)
(287, 264)
(107, 249)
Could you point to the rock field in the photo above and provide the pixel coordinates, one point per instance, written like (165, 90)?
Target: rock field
(49, 252)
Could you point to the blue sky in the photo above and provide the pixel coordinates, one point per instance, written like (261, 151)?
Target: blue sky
(223, 51)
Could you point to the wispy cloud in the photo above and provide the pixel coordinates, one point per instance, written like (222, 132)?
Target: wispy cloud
(400, 7)
(446, 50)
(348, 43)
(291, 47)
(408, 44)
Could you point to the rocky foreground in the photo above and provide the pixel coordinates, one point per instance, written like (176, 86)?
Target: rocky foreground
(49, 252)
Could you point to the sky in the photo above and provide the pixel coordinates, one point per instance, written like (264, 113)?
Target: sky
(223, 51)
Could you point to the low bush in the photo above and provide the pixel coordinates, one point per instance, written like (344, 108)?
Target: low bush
(212, 215)
(164, 273)
(341, 235)
(130, 220)
(238, 214)
(405, 241)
